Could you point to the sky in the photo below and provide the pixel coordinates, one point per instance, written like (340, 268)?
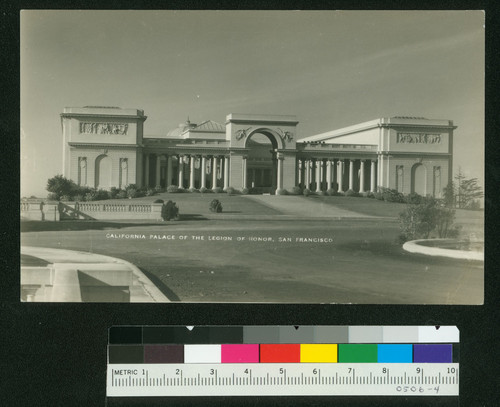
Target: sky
(329, 68)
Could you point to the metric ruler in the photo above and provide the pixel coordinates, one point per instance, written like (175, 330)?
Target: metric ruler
(318, 379)
(282, 361)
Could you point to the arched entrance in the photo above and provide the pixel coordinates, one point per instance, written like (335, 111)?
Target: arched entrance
(418, 179)
(103, 166)
(262, 161)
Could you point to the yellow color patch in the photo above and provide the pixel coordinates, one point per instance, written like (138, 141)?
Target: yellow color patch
(318, 353)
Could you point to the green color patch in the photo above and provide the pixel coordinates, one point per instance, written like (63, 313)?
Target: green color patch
(354, 353)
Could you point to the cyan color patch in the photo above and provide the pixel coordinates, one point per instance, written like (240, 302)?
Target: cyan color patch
(395, 353)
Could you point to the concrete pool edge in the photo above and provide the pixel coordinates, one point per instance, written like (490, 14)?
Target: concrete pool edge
(414, 246)
(142, 290)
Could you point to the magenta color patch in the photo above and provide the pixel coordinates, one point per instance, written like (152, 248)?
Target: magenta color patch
(240, 353)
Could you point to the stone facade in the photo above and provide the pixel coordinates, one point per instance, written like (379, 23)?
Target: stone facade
(106, 147)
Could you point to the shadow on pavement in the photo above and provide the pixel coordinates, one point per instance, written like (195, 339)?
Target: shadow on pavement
(70, 225)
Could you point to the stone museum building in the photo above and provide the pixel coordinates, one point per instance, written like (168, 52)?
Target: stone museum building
(106, 147)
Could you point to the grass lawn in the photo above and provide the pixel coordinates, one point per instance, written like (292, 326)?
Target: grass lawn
(198, 203)
(366, 206)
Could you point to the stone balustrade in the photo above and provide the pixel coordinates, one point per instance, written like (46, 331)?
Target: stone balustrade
(55, 211)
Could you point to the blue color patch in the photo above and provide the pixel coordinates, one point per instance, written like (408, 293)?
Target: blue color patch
(395, 354)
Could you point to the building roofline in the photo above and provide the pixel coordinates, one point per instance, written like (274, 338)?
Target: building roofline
(381, 122)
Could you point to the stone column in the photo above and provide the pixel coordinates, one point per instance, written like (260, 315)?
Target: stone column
(318, 175)
(321, 174)
(214, 172)
(146, 172)
(297, 172)
(362, 176)
(309, 172)
(244, 171)
(351, 174)
(226, 172)
(328, 174)
(203, 172)
(181, 171)
(373, 183)
(300, 178)
(340, 174)
(279, 183)
(158, 171)
(306, 174)
(169, 170)
(191, 171)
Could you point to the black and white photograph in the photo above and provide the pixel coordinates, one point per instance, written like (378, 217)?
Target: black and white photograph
(298, 157)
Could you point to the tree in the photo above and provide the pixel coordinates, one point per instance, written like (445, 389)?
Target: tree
(419, 221)
(449, 195)
(467, 191)
(61, 186)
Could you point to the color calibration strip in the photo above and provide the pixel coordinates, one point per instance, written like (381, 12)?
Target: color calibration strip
(281, 334)
(325, 360)
(282, 353)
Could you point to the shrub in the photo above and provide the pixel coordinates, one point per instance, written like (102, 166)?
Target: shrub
(78, 198)
(379, 196)
(150, 192)
(65, 198)
(89, 196)
(60, 186)
(391, 195)
(331, 192)
(230, 190)
(281, 191)
(245, 191)
(474, 206)
(257, 190)
(215, 206)
(113, 192)
(351, 192)
(418, 221)
(132, 193)
(170, 211)
(173, 189)
(131, 186)
(101, 195)
(52, 196)
(296, 190)
(306, 192)
(121, 194)
(158, 189)
(96, 195)
(158, 201)
(204, 190)
(369, 194)
(217, 190)
(414, 198)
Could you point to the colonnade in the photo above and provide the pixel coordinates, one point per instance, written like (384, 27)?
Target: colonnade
(211, 168)
(316, 174)
(320, 174)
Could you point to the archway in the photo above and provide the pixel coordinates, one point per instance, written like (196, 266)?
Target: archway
(103, 166)
(262, 162)
(418, 179)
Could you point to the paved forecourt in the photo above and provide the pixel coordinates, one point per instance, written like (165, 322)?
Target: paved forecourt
(65, 263)
(302, 207)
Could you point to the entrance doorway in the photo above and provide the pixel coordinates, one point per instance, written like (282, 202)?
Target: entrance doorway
(262, 163)
(418, 179)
